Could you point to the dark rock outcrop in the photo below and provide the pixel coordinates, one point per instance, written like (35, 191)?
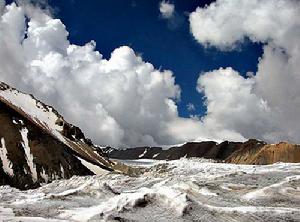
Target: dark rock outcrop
(47, 159)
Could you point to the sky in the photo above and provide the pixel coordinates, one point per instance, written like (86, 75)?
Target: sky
(165, 42)
(133, 73)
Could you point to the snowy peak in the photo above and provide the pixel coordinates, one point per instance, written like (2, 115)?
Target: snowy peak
(38, 145)
(27, 104)
(41, 114)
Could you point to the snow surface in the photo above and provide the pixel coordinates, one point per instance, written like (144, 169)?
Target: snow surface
(41, 114)
(143, 154)
(44, 175)
(92, 167)
(29, 156)
(155, 155)
(179, 190)
(32, 107)
(6, 163)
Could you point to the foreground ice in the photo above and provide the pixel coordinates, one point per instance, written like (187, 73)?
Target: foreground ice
(180, 190)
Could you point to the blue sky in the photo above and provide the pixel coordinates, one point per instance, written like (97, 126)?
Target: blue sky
(123, 101)
(138, 24)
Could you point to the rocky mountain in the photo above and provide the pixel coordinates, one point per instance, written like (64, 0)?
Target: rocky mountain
(38, 146)
(249, 152)
(205, 149)
(267, 154)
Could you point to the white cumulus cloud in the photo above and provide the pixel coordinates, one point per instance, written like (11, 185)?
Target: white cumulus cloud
(125, 101)
(266, 105)
(166, 9)
(120, 101)
(226, 22)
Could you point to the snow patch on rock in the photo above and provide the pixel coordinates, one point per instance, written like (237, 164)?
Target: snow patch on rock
(6, 163)
(92, 167)
(143, 154)
(29, 156)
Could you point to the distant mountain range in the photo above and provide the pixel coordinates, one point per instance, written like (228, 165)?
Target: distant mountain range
(38, 146)
(249, 152)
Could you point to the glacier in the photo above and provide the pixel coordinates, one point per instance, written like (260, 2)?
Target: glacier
(180, 190)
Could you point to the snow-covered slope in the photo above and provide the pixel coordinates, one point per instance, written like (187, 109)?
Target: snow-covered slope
(38, 145)
(179, 190)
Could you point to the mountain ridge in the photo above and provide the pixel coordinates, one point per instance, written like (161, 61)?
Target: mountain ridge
(250, 152)
(38, 145)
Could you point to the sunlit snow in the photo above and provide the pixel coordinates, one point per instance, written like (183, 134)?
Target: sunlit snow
(6, 163)
(28, 154)
(179, 190)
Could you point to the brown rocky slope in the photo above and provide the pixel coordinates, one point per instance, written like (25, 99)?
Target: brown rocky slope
(249, 152)
(38, 146)
(267, 154)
